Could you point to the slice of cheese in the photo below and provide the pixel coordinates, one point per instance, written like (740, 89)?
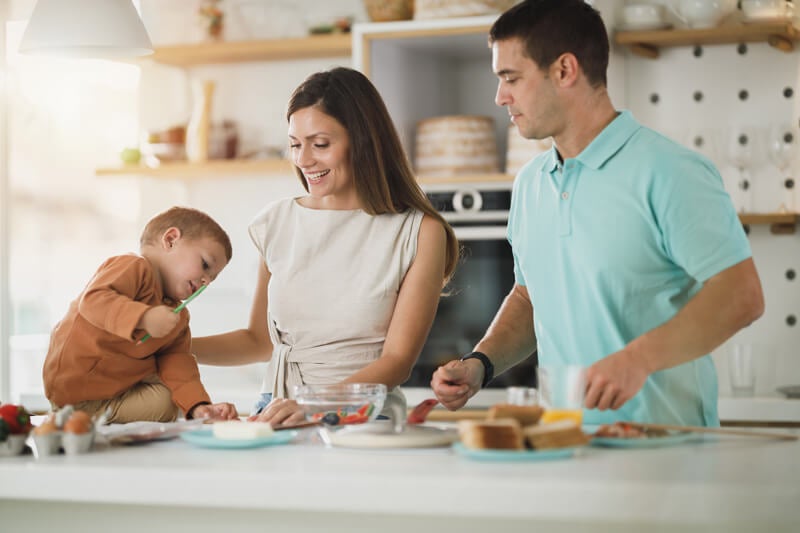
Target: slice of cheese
(237, 430)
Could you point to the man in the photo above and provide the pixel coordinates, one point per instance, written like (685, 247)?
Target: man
(629, 258)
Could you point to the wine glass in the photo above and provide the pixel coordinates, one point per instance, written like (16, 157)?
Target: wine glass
(740, 152)
(782, 145)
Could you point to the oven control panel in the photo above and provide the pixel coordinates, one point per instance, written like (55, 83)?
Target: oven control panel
(485, 204)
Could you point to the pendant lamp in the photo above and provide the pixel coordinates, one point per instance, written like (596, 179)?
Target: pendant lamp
(103, 29)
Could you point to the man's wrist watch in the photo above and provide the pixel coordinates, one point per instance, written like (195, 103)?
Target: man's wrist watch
(488, 367)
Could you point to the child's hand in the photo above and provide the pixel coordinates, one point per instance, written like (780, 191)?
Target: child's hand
(159, 321)
(216, 411)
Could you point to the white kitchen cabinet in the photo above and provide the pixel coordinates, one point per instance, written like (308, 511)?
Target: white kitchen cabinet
(431, 68)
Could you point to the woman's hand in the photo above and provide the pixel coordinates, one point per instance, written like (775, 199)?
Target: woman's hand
(280, 411)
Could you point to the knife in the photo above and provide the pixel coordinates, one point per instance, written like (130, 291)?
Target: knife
(716, 431)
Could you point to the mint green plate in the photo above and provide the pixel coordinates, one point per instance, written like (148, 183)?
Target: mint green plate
(645, 442)
(205, 439)
(512, 455)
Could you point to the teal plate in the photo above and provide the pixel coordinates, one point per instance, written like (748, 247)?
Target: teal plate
(649, 442)
(512, 455)
(205, 439)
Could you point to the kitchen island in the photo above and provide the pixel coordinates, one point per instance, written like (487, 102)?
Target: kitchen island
(709, 484)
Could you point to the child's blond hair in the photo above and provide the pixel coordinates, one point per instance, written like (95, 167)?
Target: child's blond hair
(193, 224)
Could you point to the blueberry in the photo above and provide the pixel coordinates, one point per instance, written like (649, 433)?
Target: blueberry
(332, 419)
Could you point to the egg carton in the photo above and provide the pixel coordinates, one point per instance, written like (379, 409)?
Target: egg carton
(64, 432)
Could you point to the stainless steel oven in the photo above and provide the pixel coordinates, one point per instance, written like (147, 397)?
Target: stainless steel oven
(479, 214)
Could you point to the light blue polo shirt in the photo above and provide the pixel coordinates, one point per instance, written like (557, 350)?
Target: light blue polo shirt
(613, 244)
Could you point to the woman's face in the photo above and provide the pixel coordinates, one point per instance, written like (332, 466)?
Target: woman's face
(320, 148)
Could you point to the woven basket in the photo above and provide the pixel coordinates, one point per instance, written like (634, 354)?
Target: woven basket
(458, 144)
(387, 10)
(435, 9)
(521, 150)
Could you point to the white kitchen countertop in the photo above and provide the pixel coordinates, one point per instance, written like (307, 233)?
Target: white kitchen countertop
(719, 484)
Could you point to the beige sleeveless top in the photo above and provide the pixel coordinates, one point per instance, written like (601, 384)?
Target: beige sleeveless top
(335, 279)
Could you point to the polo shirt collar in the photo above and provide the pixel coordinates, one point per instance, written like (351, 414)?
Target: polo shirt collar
(604, 146)
(609, 141)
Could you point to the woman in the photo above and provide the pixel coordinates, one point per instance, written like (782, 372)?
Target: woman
(352, 271)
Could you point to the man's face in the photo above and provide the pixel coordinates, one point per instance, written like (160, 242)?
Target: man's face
(525, 90)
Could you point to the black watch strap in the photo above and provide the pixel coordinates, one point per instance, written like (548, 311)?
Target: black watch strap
(488, 367)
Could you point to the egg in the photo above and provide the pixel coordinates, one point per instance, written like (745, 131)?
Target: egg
(45, 428)
(78, 423)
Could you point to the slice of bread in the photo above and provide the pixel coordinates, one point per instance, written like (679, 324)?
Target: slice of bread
(502, 434)
(561, 434)
(526, 415)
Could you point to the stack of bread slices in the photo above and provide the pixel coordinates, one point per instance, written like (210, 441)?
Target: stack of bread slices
(517, 427)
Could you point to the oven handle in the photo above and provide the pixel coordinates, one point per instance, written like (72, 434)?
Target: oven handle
(476, 233)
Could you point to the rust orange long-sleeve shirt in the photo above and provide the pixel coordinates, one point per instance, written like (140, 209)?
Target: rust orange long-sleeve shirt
(94, 352)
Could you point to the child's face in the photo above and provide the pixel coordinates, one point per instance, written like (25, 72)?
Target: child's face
(188, 264)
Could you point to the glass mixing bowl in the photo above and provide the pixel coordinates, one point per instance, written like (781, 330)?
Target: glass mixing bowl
(342, 403)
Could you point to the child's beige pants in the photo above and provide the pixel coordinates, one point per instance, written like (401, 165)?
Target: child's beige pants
(149, 400)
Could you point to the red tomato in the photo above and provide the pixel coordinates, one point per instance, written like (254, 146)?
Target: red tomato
(17, 418)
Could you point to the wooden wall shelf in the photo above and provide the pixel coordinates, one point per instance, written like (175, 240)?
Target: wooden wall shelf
(313, 46)
(781, 35)
(209, 169)
(780, 223)
(259, 167)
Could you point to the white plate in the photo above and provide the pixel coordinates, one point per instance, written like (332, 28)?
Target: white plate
(643, 27)
(790, 391)
(138, 432)
(381, 435)
(205, 439)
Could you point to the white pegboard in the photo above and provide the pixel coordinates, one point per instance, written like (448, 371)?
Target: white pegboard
(720, 73)
(700, 96)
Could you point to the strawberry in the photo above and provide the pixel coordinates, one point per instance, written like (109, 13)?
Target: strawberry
(16, 417)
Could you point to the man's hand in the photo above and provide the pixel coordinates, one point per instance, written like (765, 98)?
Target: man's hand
(159, 321)
(216, 411)
(614, 380)
(456, 382)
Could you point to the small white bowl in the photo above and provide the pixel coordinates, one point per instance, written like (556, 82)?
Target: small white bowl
(643, 15)
(48, 444)
(754, 10)
(77, 443)
(13, 445)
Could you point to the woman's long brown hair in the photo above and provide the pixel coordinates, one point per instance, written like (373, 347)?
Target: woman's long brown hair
(384, 180)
